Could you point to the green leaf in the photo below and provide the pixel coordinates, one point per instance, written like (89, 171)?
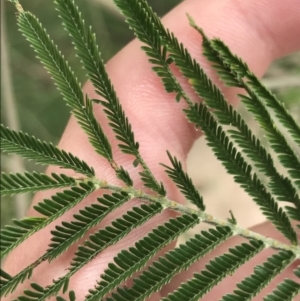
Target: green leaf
(33, 182)
(8, 283)
(61, 73)
(126, 263)
(85, 42)
(4, 279)
(69, 232)
(242, 171)
(297, 271)
(123, 175)
(287, 290)
(29, 147)
(249, 287)
(162, 271)
(151, 182)
(232, 70)
(184, 182)
(215, 271)
(72, 297)
(285, 153)
(233, 63)
(148, 28)
(87, 49)
(98, 242)
(293, 212)
(226, 115)
(162, 49)
(12, 236)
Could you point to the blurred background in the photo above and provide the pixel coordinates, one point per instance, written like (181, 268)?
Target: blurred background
(29, 100)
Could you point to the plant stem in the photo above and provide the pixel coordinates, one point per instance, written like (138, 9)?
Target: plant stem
(203, 216)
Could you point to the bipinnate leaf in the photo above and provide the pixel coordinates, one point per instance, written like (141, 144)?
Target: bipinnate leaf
(227, 133)
(227, 115)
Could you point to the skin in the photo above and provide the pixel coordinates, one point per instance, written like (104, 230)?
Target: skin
(259, 32)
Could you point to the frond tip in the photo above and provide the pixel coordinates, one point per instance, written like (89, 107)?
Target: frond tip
(85, 42)
(184, 182)
(235, 72)
(64, 78)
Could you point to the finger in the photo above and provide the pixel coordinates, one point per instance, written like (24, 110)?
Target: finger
(158, 123)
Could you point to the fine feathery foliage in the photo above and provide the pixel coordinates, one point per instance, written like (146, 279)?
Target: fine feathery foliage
(227, 133)
(44, 153)
(146, 24)
(17, 183)
(12, 236)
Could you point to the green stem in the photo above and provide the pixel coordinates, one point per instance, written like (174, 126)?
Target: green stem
(203, 216)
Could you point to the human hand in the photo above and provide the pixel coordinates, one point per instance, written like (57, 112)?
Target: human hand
(159, 125)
